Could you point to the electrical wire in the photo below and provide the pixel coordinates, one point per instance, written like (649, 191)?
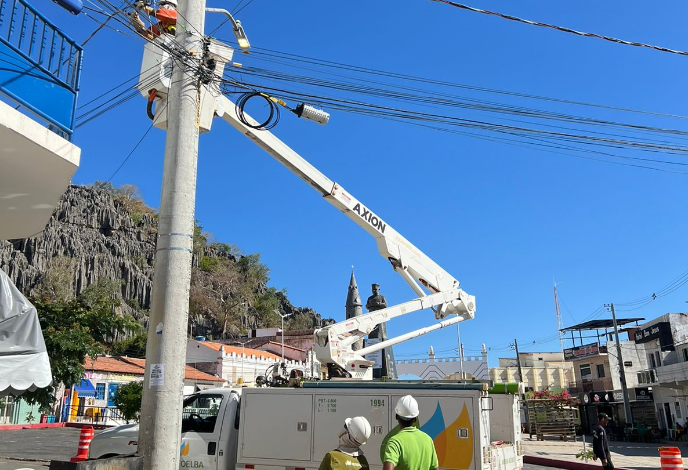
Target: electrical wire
(301, 59)
(130, 153)
(273, 116)
(240, 9)
(561, 28)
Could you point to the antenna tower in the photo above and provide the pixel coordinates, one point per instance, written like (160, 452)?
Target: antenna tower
(560, 326)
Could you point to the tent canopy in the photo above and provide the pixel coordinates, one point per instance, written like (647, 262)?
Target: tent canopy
(24, 363)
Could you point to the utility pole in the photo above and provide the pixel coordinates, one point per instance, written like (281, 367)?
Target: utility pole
(518, 361)
(161, 406)
(458, 331)
(622, 372)
(282, 317)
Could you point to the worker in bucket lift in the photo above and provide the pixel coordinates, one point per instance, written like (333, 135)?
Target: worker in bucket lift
(166, 14)
(348, 455)
(410, 448)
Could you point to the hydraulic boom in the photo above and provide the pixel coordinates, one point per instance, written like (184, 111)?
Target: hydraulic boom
(435, 288)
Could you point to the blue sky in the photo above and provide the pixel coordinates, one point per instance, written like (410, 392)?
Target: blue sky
(505, 220)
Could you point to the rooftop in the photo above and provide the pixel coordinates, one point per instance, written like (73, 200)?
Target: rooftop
(602, 324)
(135, 366)
(237, 350)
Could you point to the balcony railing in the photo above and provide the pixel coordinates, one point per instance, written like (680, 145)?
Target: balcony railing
(591, 385)
(647, 377)
(40, 65)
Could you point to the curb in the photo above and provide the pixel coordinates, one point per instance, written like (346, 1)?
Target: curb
(547, 462)
(15, 427)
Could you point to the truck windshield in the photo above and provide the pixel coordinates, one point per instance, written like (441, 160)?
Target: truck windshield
(200, 413)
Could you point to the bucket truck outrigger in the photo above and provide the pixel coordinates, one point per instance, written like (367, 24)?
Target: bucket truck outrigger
(436, 289)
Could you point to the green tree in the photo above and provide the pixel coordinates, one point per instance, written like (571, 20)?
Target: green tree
(134, 346)
(57, 283)
(76, 329)
(128, 400)
(68, 339)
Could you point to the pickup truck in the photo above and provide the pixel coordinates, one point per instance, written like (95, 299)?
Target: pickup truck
(293, 428)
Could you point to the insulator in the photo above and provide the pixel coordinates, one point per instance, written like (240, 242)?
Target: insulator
(314, 114)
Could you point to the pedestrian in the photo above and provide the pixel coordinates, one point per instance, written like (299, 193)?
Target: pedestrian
(600, 444)
(348, 455)
(410, 448)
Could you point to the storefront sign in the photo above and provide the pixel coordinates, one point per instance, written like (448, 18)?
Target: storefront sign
(596, 398)
(591, 349)
(643, 394)
(660, 331)
(617, 395)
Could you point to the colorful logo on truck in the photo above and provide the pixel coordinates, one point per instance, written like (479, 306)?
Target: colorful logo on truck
(453, 443)
(184, 449)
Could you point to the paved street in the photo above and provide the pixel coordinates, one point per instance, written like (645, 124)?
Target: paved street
(40, 444)
(54, 444)
(22, 465)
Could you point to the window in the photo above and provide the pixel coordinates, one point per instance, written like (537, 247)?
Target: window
(651, 357)
(600, 370)
(100, 391)
(685, 355)
(678, 410)
(585, 371)
(659, 359)
(112, 389)
(200, 413)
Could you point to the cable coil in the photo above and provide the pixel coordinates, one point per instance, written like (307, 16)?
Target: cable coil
(272, 119)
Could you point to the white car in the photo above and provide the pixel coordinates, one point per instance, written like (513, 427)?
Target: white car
(121, 440)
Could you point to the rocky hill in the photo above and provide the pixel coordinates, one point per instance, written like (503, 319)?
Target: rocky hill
(105, 233)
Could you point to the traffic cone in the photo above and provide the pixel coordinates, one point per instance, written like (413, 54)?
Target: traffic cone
(670, 458)
(85, 439)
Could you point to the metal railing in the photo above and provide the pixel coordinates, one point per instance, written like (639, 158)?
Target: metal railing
(94, 415)
(646, 377)
(41, 65)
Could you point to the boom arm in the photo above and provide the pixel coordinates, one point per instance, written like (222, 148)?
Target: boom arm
(333, 343)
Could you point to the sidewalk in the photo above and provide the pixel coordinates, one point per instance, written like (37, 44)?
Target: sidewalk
(632, 455)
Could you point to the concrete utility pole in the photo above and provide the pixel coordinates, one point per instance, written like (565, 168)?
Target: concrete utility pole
(622, 372)
(518, 362)
(161, 407)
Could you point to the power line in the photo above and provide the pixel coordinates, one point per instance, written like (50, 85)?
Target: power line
(561, 28)
(258, 51)
(130, 153)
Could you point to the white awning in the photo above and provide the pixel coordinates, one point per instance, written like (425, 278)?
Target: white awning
(24, 363)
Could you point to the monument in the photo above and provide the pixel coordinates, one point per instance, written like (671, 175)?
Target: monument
(375, 302)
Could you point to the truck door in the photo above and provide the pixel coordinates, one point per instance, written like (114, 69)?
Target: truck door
(201, 425)
(333, 408)
(449, 421)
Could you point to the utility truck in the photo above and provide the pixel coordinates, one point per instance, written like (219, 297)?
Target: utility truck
(293, 428)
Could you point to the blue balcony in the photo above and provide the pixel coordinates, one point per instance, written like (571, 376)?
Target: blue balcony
(39, 72)
(39, 65)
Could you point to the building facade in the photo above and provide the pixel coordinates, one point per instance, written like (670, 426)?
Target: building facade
(663, 344)
(545, 370)
(441, 368)
(234, 362)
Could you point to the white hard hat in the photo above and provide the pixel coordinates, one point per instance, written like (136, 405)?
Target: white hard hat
(407, 407)
(167, 2)
(359, 429)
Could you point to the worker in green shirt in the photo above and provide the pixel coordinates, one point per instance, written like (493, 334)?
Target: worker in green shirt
(348, 455)
(410, 448)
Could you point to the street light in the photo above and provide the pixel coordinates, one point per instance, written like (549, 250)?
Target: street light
(282, 317)
(238, 30)
(242, 361)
